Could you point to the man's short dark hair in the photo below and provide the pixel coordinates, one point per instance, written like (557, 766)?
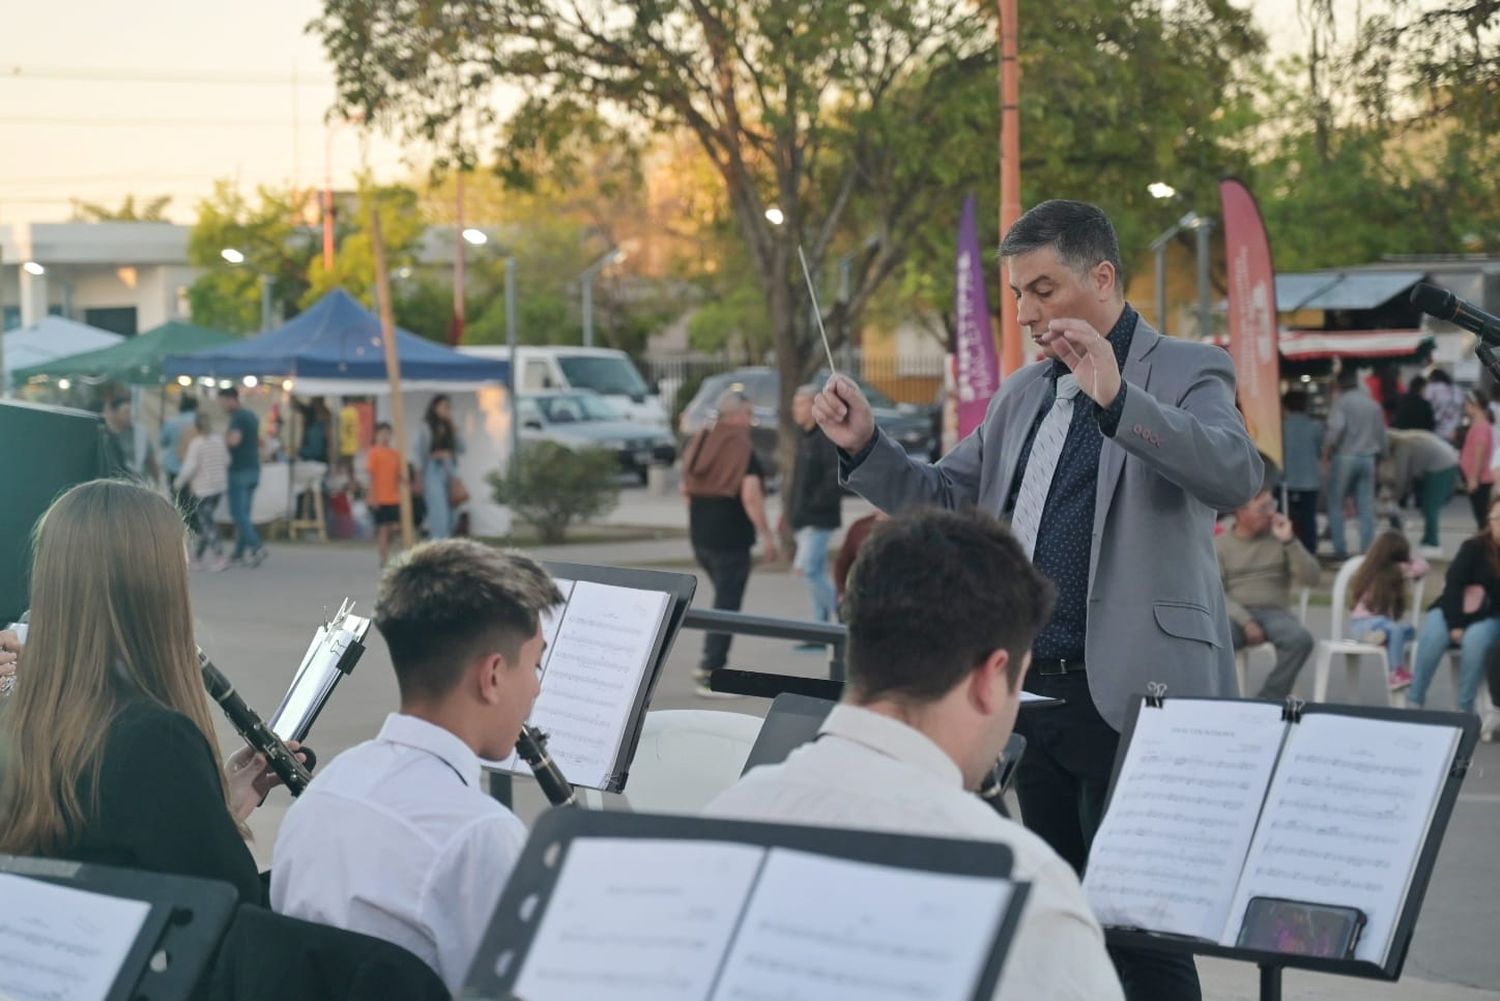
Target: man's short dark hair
(1348, 378)
(187, 405)
(445, 603)
(382, 426)
(231, 393)
(933, 594)
(1081, 233)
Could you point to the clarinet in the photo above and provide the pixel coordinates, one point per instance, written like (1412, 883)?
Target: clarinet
(259, 736)
(532, 747)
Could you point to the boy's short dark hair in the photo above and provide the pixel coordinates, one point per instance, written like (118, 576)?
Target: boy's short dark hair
(933, 594)
(381, 426)
(447, 602)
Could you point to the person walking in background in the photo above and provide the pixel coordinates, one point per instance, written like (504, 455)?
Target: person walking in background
(1421, 463)
(385, 489)
(1464, 614)
(1260, 561)
(243, 442)
(813, 508)
(1379, 590)
(1302, 445)
(725, 487)
(125, 457)
(1413, 412)
(317, 432)
(437, 451)
(1447, 404)
(1355, 439)
(205, 476)
(174, 440)
(1478, 453)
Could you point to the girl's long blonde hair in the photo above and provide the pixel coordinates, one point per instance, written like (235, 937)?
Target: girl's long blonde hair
(111, 620)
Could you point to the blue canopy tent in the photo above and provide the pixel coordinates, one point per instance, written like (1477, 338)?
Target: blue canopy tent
(336, 339)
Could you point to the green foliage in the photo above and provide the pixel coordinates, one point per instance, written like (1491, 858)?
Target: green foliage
(553, 486)
(270, 235)
(354, 265)
(153, 210)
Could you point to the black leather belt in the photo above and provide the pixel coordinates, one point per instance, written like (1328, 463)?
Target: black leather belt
(1053, 666)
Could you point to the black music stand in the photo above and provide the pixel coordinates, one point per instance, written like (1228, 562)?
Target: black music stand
(501, 957)
(1272, 964)
(181, 933)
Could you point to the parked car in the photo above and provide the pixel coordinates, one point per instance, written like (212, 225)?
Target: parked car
(606, 371)
(909, 425)
(587, 420)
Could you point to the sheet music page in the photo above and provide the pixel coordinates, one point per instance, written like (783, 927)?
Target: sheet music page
(1172, 844)
(869, 932)
(1346, 818)
(638, 919)
(315, 674)
(600, 653)
(62, 944)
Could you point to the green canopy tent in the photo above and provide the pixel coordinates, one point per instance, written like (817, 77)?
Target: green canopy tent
(135, 360)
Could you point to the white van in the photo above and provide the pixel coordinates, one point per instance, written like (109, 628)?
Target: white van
(607, 371)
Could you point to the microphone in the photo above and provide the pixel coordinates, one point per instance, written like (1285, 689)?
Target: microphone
(1445, 305)
(283, 762)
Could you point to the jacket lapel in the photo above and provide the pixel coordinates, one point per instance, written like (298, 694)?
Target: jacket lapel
(1137, 372)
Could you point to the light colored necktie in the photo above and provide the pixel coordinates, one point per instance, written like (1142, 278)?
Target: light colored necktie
(1037, 480)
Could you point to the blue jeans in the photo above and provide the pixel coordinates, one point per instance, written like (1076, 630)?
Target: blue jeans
(242, 484)
(1356, 474)
(435, 476)
(812, 563)
(1398, 636)
(1432, 644)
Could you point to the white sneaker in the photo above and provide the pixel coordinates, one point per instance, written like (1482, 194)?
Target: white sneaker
(1430, 552)
(1489, 720)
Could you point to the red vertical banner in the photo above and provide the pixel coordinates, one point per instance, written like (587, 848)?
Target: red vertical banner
(1253, 329)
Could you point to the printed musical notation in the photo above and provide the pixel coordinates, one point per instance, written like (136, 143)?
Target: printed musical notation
(1346, 817)
(62, 944)
(1169, 851)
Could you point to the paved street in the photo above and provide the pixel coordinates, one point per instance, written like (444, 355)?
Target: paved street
(257, 623)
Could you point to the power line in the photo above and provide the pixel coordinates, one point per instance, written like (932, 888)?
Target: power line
(130, 75)
(66, 121)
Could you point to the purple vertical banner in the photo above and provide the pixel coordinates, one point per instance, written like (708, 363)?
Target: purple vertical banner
(976, 360)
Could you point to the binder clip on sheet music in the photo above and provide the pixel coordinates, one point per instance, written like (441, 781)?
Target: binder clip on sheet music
(1219, 807)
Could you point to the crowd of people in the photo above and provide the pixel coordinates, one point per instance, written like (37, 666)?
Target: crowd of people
(1031, 558)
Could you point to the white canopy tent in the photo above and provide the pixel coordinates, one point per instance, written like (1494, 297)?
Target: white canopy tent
(52, 338)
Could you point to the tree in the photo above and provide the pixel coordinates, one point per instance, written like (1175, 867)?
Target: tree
(275, 243)
(808, 108)
(354, 265)
(154, 210)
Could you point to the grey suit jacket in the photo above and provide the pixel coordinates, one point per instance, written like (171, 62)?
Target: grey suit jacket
(1180, 455)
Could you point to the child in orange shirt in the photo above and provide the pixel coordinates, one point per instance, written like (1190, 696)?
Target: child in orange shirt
(385, 488)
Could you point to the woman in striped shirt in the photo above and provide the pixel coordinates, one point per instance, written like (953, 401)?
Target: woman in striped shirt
(205, 468)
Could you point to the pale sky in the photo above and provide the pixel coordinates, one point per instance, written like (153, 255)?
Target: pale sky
(101, 99)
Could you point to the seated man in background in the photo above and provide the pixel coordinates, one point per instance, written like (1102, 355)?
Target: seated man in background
(1260, 560)
(942, 609)
(396, 837)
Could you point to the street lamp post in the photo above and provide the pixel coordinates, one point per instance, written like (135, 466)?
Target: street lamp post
(511, 336)
(614, 255)
(236, 258)
(1202, 228)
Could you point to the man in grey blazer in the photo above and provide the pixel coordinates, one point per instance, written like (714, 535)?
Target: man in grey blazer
(1110, 458)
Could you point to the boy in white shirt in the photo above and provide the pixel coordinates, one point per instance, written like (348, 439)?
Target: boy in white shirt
(942, 609)
(396, 838)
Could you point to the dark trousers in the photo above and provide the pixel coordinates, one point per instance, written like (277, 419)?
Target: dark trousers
(1303, 511)
(1062, 783)
(1479, 500)
(729, 569)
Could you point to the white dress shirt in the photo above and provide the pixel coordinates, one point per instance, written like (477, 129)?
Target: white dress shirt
(871, 772)
(395, 838)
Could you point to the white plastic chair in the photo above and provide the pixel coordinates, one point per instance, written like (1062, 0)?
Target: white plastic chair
(1353, 650)
(686, 757)
(1242, 655)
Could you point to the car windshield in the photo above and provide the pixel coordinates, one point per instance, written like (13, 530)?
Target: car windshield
(608, 375)
(572, 408)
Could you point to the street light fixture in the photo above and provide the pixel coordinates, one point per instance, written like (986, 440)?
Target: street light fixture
(235, 257)
(775, 216)
(476, 237)
(613, 256)
(1160, 189)
(33, 268)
